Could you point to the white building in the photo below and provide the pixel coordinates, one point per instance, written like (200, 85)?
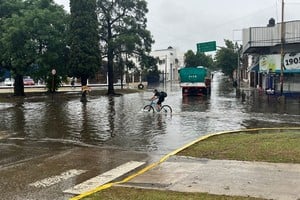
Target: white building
(169, 61)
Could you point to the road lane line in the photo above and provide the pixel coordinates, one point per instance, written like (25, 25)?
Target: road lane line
(104, 178)
(56, 179)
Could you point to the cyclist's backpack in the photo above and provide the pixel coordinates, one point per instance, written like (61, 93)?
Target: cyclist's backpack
(163, 94)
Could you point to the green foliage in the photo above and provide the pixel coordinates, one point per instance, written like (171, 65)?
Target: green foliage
(32, 38)
(84, 39)
(1, 74)
(149, 69)
(198, 59)
(227, 58)
(148, 62)
(53, 82)
(123, 26)
(9, 7)
(122, 31)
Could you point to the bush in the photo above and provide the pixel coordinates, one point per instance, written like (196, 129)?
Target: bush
(53, 82)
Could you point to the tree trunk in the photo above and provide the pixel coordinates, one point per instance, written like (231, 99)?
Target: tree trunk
(122, 72)
(19, 86)
(110, 71)
(110, 62)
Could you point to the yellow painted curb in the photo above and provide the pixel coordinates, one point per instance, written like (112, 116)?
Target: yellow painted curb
(164, 158)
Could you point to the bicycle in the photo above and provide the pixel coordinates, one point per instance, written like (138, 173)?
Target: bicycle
(152, 107)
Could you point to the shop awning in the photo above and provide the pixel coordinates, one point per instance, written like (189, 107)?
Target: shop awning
(253, 68)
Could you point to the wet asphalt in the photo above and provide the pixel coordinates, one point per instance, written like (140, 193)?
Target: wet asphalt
(42, 138)
(25, 180)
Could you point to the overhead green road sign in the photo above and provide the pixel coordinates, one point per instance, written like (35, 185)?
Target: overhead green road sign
(206, 46)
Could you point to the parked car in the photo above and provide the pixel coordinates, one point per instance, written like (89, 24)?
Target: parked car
(28, 81)
(9, 81)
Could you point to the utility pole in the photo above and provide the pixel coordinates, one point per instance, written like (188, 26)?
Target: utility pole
(282, 47)
(239, 69)
(165, 75)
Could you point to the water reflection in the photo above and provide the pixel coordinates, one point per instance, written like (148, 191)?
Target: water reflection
(119, 121)
(195, 104)
(111, 115)
(272, 105)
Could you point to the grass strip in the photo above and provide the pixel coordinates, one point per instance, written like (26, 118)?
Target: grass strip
(278, 146)
(267, 146)
(121, 193)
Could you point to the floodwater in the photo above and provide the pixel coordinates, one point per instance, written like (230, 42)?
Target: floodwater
(120, 122)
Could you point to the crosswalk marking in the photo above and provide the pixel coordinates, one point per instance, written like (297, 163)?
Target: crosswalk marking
(104, 178)
(56, 179)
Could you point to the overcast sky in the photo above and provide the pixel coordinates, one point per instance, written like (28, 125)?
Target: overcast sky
(183, 24)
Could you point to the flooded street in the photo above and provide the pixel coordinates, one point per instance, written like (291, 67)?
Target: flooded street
(39, 125)
(119, 121)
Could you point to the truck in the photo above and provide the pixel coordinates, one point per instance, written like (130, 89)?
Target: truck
(195, 81)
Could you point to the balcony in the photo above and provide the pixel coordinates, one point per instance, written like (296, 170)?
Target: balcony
(267, 40)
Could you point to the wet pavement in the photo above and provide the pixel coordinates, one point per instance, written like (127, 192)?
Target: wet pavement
(47, 175)
(46, 136)
(223, 177)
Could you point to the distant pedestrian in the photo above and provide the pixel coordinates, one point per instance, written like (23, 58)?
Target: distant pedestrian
(235, 83)
(73, 82)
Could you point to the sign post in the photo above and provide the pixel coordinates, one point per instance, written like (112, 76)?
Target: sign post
(206, 46)
(53, 72)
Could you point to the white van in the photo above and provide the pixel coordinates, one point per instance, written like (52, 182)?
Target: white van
(9, 81)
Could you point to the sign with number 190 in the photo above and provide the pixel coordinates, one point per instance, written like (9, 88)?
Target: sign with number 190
(292, 61)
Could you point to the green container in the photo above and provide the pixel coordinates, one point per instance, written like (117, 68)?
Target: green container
(192, 74)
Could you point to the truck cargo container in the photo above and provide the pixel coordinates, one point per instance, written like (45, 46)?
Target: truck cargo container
(195, 81)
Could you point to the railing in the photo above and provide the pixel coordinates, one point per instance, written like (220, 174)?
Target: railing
(271, 36)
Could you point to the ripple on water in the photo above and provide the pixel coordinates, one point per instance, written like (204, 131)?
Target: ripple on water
(119, 121)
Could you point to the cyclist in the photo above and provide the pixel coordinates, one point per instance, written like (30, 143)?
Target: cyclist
(158, 95)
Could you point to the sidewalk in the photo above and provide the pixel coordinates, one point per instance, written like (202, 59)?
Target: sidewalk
(223, 177)
(39, 89)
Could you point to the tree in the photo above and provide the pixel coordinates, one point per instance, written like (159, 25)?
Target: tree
(227, 58)
(122, 30)
(149, 68)
(84, 42)
(9, 7)
(32, 39)
(198, 59)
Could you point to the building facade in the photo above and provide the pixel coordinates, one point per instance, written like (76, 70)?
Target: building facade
(169, 61)
(273, 54)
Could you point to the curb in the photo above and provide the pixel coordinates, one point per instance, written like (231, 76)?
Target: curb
(164, 158)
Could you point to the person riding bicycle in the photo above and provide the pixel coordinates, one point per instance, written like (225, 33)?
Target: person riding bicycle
(158, 95)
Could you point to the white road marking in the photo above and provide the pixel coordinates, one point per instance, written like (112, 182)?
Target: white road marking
(56, 179)
(104, 178)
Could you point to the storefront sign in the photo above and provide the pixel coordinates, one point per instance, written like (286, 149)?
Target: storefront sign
(292, 61)
(269, 63)
(272, 63)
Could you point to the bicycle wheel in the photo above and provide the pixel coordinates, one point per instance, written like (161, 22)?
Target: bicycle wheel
(148, 108)
(166, 109)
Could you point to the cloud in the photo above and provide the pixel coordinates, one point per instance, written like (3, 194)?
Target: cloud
(183, 24)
